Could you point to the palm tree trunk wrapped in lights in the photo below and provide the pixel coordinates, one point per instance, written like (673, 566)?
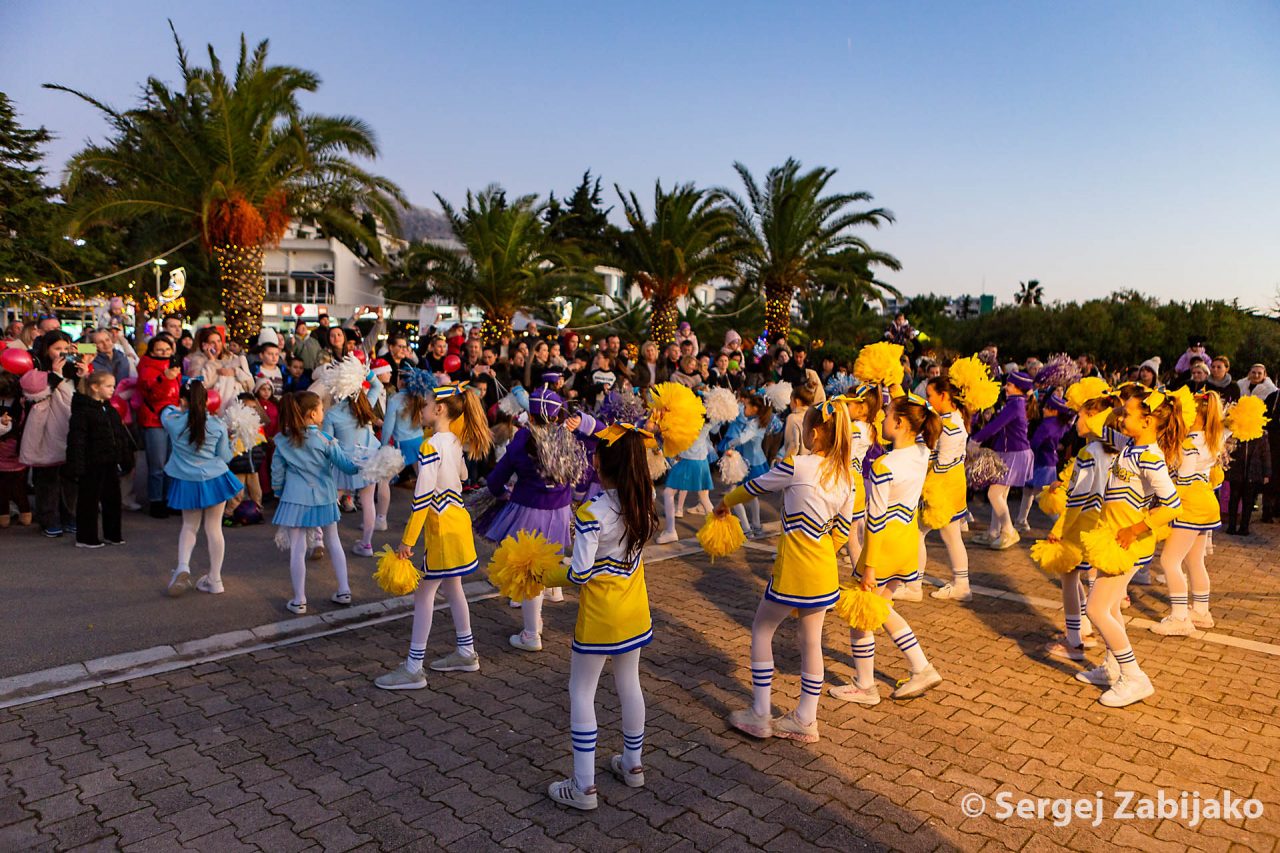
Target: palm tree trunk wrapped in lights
(495, 327)
(663, 319)
(244, 289)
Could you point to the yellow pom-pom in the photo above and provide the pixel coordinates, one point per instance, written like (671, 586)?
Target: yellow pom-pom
(1089, 388)
(720, 536)
(937, 512)
(678, 415)
(862, 609)
(518, 565)
(1247, 418)
(1053, 501)
(973, 378)
(1104, 553)
(1162, 533)
(880, 364)
(1057, 557)
(394, 575)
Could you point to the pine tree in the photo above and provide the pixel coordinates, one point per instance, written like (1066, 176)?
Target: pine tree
(26, 205)
(583, 221)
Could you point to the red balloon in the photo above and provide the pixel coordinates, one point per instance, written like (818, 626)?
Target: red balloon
(452, 364)
(121, 407)
(299, 310)
(16, 361)
(215, 401)
(360, 355)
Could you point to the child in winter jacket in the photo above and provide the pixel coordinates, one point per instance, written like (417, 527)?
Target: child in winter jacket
(99, 450)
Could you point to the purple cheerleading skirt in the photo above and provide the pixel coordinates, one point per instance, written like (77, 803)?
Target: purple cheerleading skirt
(554, 524)
(1021, 464)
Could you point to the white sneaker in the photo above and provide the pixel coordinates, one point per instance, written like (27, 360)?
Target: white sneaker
(1202, 620)
(633, 778)
(132, 506)
(1127, 690)
(1063, 650)
(1103, 675)
(983, 538)
(206, 585)
(789, 727)
(748, 721)
(696, 510)
(853, 693)
(1142, 577)
(567, 793)
(756, 533)
(515, 603)
(951, 592)
(456, 661)
(1171, 627)
(527, 642)
(1023, 527)
(1005, 542)
(553, 593)
(913, 591)
(679, 513)
(401, 678)
(917, 684)
(380, 522)
(362, 549)
(667, 536)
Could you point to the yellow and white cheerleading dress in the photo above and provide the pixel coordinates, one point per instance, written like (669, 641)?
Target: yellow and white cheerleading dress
(945, 485)
(1085, 489)
(860, 444)
(1139, 488)
(613, 601)
(1194, 482)
(437, 504)
(893, 538)
(804, 572)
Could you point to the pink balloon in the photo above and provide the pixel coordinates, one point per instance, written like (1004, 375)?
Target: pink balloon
(121, 407)
(452, 363)
(215, 401)
(16, 361)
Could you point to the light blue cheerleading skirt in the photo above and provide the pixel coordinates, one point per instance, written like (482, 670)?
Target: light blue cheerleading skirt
(690, 475)
(201, 494)
(289, 514)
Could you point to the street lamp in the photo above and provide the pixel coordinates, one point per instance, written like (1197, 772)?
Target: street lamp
(158, 263)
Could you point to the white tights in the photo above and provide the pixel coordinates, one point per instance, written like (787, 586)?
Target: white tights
(211, 516)
(769, 615)
(1104, 612)
(424, 602)
(863, 644)
(1186, 546)
(298, 559)
(998, 497)
(366, 513)
(953, 539)
(673, 502)
(584, 677)
(747, 513)
(1029, 494)
(382, 498)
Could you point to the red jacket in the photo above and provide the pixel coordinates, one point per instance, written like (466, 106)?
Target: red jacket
(157, 391)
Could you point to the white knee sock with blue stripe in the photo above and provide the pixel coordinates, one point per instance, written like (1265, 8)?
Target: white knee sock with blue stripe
(1178, 606)
(810, 692)
(1073, 630)
(1200, 602)
(417, 654)
(762, 687)
(864, 658)
(632, 744)
(584, 757)
(467, 644)
(910, 647)
(1128, 661)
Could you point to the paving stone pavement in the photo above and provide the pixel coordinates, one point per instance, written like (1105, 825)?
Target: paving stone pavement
(293, 749)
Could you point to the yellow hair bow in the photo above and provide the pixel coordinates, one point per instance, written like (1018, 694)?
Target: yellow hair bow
(913, 397)
(1154, 400)
(613, 432)
(828, 406)
(451, 390)
(1185, 402)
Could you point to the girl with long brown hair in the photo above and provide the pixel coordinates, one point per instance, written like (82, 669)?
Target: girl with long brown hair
(350, 420)
(303, 476)
(459, 429)
(613, 610)
(817, 499)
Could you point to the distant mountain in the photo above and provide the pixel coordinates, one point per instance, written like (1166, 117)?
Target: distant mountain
(420, 223)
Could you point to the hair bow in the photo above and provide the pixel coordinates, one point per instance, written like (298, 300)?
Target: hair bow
(1154, 400)
(913, 397)
(613, 432)
(452, 390)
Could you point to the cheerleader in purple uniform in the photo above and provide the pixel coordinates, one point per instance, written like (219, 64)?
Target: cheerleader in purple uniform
(1048, 434)
(1007, 433)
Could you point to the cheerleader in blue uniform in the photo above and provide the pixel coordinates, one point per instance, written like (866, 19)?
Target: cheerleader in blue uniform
(691, 473)
(200, 483)
(302, 474)
(746, 435)
(350, 421)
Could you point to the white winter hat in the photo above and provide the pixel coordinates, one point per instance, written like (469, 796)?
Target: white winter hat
(1153, 363)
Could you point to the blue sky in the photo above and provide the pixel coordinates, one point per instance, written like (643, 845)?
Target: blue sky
(1094, 146)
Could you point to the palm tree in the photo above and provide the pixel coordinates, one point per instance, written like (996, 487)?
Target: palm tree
(1029, 293)
(231, 160)
(800, 238)
(506, 262)
(691, 240)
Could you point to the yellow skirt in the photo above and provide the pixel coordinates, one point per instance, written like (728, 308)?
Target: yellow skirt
(893, 552)
(943, 499)
(613, 615)
(859, 496)
(1200, 509)
(804, 574)
(450, 544)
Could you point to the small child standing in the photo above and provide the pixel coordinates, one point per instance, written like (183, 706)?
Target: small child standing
(746, 435)
(613, 610)
(691, 473)
(1048, 434)
(459, 430)
(99, 451)
(200, 484)
(350, 420)
(302, 475)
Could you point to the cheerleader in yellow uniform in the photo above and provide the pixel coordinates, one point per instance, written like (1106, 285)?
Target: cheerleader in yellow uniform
(1140, 497)
(817, 498)
(864, 405)
(1201, 515)
(945, 504)
(460, 429)
(891, 552)
(1093, 403)
(613, 609)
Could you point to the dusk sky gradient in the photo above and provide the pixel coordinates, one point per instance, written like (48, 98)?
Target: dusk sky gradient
(1094, 146)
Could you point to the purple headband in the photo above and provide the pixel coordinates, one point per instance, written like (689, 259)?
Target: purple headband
(546, 403)
(1020, 380)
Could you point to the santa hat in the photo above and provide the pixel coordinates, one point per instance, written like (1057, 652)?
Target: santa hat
(381, 367)
(34, 383)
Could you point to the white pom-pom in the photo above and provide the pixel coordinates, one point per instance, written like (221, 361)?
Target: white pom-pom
(282, 539)
(386, 463)
(721, 405)
(243, 424)
(658, 464)
(511, 405)
(779, 396)
(733, 468)
(345, 379)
